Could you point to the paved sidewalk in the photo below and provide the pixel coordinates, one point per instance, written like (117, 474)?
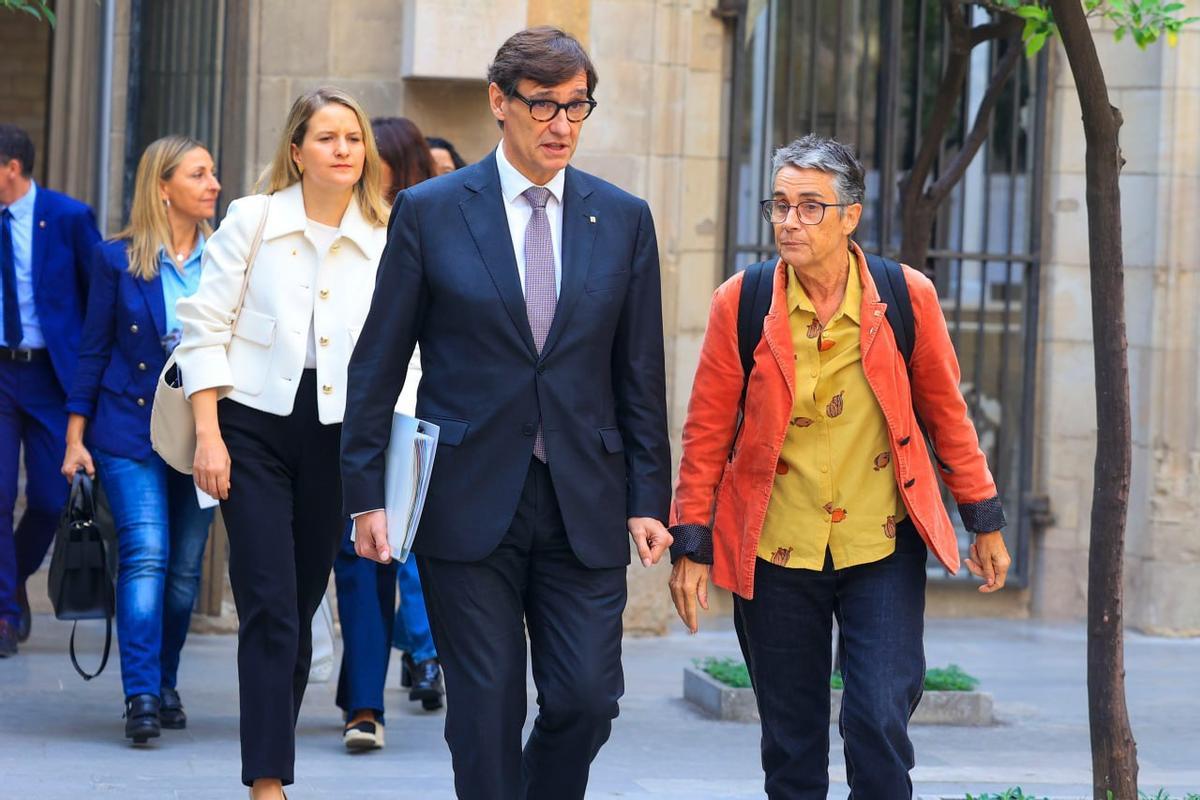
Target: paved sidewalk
(60, 738)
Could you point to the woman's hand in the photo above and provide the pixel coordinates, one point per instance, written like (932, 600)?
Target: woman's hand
(689, 586)
(211, 466)
(77, 457)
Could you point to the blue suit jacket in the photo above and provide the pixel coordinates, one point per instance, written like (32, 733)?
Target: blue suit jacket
(64, 232)
(448, 281)
(121, 355)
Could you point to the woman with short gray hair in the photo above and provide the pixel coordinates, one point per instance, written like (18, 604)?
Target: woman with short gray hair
(805, 486)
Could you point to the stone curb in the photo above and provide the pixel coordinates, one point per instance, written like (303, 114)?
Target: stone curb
(738, 705)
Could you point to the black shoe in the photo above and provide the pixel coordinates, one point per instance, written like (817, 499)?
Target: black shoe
(25, 621)
(407, 668)
(427, 684)
(141, 718)
(170, 711)
(8, 639)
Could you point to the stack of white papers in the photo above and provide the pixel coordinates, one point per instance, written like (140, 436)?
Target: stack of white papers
(409, 464)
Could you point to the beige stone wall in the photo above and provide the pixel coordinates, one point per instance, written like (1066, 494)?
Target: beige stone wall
(1159, 93)
(660, 132)
(24, 73)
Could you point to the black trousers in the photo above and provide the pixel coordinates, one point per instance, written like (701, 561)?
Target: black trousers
(479, 612)
(284, 520)
(785, 634)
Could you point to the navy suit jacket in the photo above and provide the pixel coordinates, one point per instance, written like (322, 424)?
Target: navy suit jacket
(448, 281)
(121, 355)
(64, 232)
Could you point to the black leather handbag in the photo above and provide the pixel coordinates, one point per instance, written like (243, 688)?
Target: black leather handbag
(81, 577)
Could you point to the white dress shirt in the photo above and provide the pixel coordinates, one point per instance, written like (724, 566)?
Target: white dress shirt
(518, 210)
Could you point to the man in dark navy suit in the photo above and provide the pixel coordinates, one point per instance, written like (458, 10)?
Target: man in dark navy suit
(46, 240)
(533, 292)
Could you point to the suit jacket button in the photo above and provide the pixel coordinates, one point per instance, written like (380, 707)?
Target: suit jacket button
(133, 328)
(528, 430)
(324, 294)
(141, 401)
(142, 366)
(327, 389)
(541, 370)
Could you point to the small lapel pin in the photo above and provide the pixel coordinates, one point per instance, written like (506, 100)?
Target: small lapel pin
(592, 220)
(42, 223)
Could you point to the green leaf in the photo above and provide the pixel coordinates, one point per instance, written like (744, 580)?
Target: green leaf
(1035, 43)
(1036, 13)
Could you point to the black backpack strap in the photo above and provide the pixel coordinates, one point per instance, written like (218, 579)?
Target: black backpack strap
(103, 658)
(893, 290)
(754, 302)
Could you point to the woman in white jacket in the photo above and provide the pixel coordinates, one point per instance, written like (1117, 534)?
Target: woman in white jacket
(268, 391)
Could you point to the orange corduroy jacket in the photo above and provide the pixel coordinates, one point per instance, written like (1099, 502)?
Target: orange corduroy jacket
(724, 485)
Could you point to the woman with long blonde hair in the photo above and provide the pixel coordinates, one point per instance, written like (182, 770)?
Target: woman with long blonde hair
(130, 329)
(268, 388)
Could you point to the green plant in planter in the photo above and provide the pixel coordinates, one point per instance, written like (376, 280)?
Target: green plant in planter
(729, 671)
(732, 672)
(939, 679)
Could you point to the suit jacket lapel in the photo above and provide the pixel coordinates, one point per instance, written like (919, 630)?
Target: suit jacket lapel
(578, 237)
(40, 232)
(152, 293)
(487, 220)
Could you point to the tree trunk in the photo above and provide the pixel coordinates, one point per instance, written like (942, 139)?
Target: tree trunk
(919, 196)
(1114, 752)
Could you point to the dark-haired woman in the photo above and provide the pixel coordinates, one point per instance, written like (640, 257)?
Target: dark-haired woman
(366, 590)
(445, 158)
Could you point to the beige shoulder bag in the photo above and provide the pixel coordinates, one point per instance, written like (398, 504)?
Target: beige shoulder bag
(172, 423)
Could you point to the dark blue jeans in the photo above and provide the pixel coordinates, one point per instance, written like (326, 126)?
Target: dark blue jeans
(161, 532)
(785, 633)
(366, 594)
(411, 632)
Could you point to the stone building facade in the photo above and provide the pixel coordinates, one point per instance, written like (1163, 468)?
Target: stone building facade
(663, 130)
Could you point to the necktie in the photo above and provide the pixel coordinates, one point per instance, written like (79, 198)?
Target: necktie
(541, 297)
(13, 332)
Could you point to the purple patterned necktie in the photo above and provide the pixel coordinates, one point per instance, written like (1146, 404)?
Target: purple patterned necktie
(540, 294)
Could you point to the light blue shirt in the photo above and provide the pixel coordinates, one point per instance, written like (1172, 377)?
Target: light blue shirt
(22, 238)
(179, 282)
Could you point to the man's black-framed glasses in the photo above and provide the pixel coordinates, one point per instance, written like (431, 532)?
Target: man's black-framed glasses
(546, 110)
(809, 212)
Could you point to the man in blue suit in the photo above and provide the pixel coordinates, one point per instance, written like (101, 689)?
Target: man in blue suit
(533, 291)
(46, 240)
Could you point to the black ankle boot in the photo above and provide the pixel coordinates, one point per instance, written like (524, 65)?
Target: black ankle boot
(141, 718)
(170, 711)
(427, 684)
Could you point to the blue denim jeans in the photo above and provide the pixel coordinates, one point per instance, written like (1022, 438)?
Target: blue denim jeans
(161, 533)
(785, 633)
(411, 632)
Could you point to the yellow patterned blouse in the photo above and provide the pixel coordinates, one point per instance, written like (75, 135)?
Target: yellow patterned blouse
(834, 486)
